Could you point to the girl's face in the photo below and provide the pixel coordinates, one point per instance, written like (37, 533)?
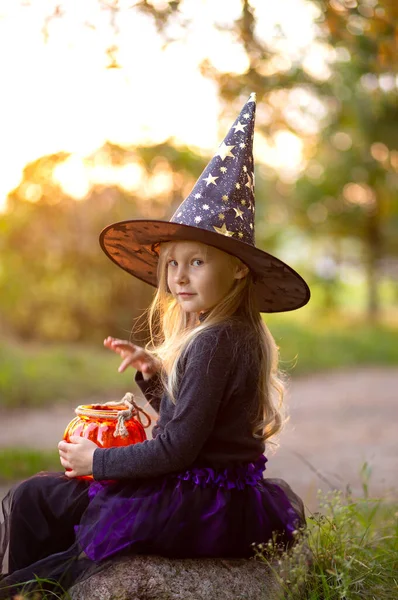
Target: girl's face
(199, 276)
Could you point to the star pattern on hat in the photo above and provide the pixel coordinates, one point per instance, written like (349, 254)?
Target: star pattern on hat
(210, 179)
(224, 230)
(239, 127)
(222, 200)
(224, 151)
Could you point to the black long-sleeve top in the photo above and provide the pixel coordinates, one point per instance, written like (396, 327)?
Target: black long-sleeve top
(211, 422)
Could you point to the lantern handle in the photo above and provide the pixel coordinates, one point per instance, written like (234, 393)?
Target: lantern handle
(133, 410)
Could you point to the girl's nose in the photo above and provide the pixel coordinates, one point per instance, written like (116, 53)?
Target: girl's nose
(181, 275)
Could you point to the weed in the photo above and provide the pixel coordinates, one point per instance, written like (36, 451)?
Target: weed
(349, 551)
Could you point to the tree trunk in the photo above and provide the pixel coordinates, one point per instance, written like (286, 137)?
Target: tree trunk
(373, 242)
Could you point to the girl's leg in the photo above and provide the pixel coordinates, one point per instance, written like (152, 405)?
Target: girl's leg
(44, 510)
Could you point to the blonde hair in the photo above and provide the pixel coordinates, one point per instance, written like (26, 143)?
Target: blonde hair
(172, 330)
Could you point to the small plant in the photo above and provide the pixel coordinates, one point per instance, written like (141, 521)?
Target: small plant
(349, 551)
(289, 567)
(38, 589)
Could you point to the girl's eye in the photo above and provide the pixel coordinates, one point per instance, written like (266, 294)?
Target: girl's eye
(196, 262)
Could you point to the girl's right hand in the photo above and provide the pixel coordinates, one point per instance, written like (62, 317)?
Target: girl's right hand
(133, 356)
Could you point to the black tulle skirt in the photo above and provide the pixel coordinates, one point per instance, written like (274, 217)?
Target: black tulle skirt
(62, 529)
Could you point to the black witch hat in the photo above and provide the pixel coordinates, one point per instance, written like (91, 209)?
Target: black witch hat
(219, 212)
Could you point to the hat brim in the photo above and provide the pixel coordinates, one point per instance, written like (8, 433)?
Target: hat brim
(133, 246)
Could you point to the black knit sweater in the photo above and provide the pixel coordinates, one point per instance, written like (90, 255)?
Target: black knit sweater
(211, 422)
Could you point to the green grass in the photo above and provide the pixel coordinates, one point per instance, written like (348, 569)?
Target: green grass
(349, 552)
(313, 343)
(20, 463)
(38, 589)
(36, 374)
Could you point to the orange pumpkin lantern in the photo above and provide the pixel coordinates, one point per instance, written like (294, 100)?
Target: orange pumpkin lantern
(109, 424)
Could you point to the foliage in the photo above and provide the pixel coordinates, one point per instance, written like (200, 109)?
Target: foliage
(38, 589)
(55, 283)
(349, 552)
(354, 194)
(20, 463)
(33, 375)
(366, 29)
(36, 374)
(349, 186)
(327, 342)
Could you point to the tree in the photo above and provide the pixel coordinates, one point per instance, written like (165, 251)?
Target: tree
(349, 187)
(346, 118)
(55, 283)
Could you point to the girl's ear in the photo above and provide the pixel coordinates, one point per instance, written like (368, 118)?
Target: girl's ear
(241, 271)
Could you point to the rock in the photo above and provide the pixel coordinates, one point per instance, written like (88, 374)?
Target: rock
(157, 578)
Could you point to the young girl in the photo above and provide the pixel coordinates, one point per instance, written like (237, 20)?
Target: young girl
(211, 372)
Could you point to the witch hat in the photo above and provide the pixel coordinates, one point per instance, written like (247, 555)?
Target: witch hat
(219, 212)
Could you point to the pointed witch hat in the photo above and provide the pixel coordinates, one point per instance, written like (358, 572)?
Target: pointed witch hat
(219, 212)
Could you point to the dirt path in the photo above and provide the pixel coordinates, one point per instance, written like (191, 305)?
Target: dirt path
(338, 421)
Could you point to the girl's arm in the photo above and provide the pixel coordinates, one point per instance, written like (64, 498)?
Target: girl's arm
(151, 388)
(208, 377)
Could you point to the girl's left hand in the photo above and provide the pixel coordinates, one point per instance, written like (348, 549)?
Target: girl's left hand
(77, 456)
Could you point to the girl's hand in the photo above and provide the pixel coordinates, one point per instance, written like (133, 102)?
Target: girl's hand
(133, 356)
(77, 456)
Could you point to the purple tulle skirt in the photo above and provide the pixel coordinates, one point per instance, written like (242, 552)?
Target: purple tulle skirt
(196, 513)
(63, 530)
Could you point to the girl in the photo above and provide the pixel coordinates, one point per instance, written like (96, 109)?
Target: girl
(211, 372)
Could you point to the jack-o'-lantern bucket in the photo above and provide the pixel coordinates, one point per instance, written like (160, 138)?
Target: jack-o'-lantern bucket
(110, 424)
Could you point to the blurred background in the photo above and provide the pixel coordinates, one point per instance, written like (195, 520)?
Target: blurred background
(110, 110)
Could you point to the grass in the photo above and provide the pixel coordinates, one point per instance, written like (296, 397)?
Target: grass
(36, 374)
(20, 463)
(349, 552)
(38, 589)
(33, 375)
(333, 341)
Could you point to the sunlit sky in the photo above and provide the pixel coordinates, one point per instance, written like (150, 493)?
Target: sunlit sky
(59, 95)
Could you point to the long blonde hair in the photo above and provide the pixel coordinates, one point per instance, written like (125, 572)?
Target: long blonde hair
(172, 330)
